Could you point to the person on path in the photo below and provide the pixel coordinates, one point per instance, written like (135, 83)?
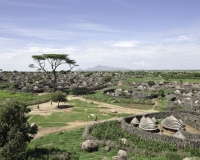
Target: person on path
(95, 118)
(38, 106)
(51, 102)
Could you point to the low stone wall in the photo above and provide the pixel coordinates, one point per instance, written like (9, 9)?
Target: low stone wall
(190, 136)
(185, 117)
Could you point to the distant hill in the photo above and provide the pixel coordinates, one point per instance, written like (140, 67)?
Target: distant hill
(103, 68)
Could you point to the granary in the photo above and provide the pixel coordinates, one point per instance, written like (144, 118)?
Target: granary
(143, 117)
(154, 119)
(135, 121)
(179, 135)
(172, 123)
(148, 125)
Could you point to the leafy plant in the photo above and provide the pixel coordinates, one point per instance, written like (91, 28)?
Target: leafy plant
(15, 130)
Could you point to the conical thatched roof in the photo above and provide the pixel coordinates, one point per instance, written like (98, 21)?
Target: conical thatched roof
(154, 119)
(148, 125)
(172, 123)
(135, 121)
(143, 117)
(179, 135)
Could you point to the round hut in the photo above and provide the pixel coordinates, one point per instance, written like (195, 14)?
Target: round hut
(171, 123)
(135, 122)
(148, 125)
(179, 135)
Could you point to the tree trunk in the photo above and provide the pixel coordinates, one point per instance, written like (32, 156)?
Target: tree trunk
(58, 104)
(54, 80)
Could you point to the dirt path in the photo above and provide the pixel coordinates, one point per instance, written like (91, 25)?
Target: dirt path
(110, 107)
(155, 103)
(47, 109)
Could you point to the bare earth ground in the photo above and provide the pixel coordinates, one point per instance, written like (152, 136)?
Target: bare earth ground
(47, 109)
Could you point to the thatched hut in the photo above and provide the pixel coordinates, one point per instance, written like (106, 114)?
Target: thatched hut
(172, 123)
(154, 119)
(148, 125)
(135, 121)
(179, 135)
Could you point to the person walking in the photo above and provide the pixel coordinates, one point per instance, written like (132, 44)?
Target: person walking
(38, 106)
(95, 118)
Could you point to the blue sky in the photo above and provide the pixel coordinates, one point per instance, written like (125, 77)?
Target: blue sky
(134, 34)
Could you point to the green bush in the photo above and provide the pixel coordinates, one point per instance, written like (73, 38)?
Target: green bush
(15, 130)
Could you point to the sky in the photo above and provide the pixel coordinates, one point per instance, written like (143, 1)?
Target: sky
(133, 34)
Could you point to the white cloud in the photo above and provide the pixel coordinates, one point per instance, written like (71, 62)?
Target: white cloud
(178, 39)
(125, 44)
(142, 63)
(93, 27)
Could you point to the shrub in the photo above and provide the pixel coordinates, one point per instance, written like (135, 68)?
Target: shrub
(15, 130)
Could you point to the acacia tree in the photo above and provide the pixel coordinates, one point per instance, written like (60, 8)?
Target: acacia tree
(15, 131)
(55, 60)
(58, 96)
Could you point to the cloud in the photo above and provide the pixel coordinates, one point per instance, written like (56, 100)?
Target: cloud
(93, 27)
(142, 63)
(178, 39)
(126, 44)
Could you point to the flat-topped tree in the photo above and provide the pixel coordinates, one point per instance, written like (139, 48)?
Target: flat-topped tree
(55, 60)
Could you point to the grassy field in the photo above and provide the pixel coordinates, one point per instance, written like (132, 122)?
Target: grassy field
(80, 112)
(29, 98)
(69, 142)
(66, 142)
(99, 96)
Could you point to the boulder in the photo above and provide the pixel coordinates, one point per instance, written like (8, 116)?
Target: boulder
(191, 158)
(64, 156)
(177, 92)
(122, 155)
(187, 101)
(124, 140)
(126, 93)
(140, 88)
(92, 115)
(89, 145)
(113, 111)
(198, 94)
(107, 149)
(179, 102)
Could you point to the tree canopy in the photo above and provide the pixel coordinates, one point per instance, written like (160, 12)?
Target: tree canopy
(58, 96)
(55, 60)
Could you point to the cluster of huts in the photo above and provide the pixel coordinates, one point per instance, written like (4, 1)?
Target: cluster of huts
(150, 124)
(39, 82)
(183, 95)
